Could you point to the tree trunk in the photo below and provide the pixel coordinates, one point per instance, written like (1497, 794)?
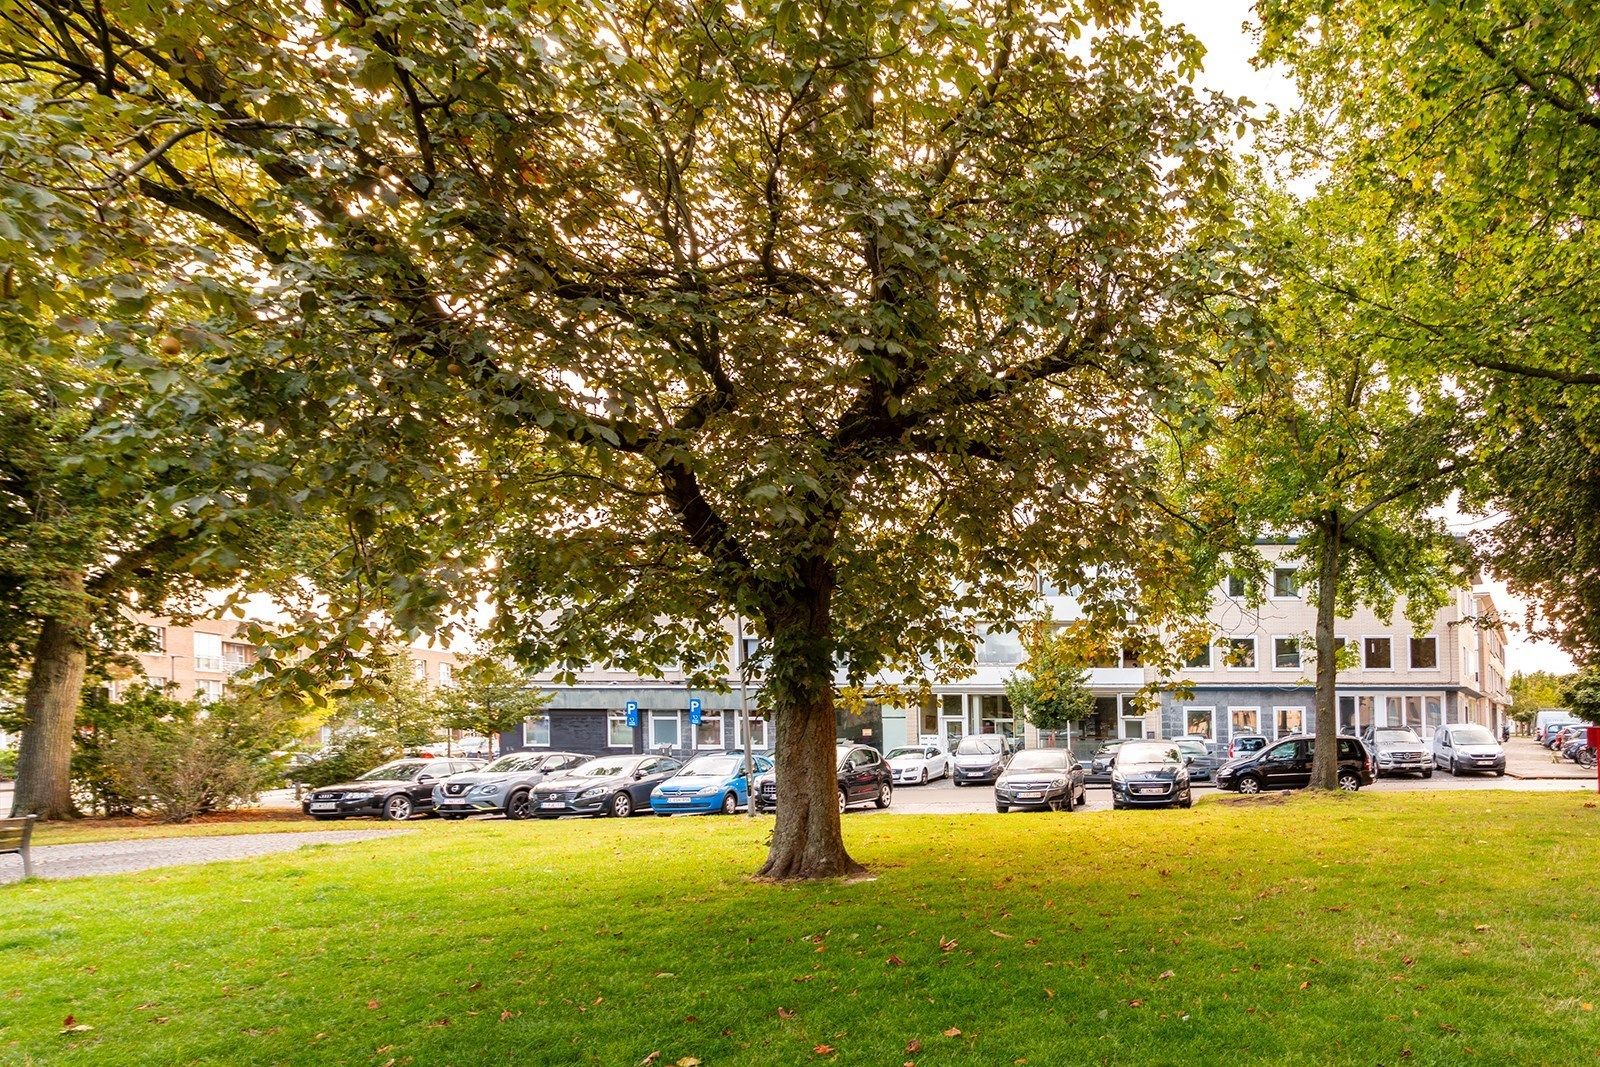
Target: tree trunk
(50, 710)
(1325, 757)
(807, 841)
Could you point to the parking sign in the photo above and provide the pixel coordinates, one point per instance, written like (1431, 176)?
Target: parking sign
(633, 712)
(694, 711)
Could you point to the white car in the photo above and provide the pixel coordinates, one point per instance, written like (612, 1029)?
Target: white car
(919, 764)
(1463, 747)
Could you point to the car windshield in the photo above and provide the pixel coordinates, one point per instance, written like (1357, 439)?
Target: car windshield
(1039, 759)
(914, 753)
(393, 772)
(1193, 748)
(714, 766)
(514, 762)
(1146, 755)
(604, 768)
(978, 746)
(1473, 735)
(1403, 736)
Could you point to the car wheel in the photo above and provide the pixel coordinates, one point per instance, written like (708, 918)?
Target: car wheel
(1348, 781)
(397, 809)
(843, 802)
(621, 806)
(885, 796)
(1071, 803)
(730, 804)
(1001, 808)
(520, 806)
(1428, 773)
(1250, 784)
(924, 779)
(1188, 799)
(1455, 769)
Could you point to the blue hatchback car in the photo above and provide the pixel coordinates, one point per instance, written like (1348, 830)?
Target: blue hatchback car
(707, 785)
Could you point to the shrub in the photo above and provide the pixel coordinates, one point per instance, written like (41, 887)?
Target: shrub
(352, 752)
(183, 769)
(8, 764)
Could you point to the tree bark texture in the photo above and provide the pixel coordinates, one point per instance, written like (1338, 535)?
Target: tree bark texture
(1325, 755)
(807, 841)
(50, 710)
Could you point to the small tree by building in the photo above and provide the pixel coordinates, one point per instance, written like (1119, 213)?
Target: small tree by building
(489, 698)
(1052, 691)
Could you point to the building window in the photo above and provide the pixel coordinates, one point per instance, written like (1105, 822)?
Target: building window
(1201, 660)
(447, 674)
(1424, 653)
(1241, 653)
(536, 731)
(709, 733)
(663, 729)
(1377, 654)
(1285, 584)
(1238, 585)
(156, 636)
(1130, 657)
(1245, 720)
(930, 717)
(1200, 721)
(760, 735)
(1289, 720)
(208, 690)
(1286, 653)
(618, 733)
(208, 652)
(750, 650)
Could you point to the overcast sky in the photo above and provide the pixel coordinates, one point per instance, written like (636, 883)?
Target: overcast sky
(1221, 27)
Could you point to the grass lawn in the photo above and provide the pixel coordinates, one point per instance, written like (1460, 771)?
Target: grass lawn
(1418, 928)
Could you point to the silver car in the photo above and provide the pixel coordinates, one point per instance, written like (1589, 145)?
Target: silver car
(503, 787)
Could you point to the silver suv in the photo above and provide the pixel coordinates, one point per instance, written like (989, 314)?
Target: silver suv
(1399, 750)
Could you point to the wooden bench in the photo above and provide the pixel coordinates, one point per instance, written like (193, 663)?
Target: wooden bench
(15, 835)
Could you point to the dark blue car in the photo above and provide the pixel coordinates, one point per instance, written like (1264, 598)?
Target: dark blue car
(706, 785)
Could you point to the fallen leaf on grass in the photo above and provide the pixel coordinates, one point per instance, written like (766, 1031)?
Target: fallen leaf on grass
(438, 1024)
(785, 1013)
(1165, 974)
(648, 1060)
(894, 961)
(1587, 1006)
(1050, 994)
(372, 1005)
(822, 1050)
(1305, 985)
(1447, 1028)
(689, 1061)
(474, 987)
(507, 1015)
(954, 1031)
(997, 933)
(1481, 927)
(805, 978)
(71, 1025)
(913, 1045)
(947, 946)
(1135, 1003)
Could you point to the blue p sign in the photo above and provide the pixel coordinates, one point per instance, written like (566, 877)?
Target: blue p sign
(633, 712)
(694, 711)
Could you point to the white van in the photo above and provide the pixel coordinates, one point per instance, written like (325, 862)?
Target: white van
(1463, 747)
(1547, 720)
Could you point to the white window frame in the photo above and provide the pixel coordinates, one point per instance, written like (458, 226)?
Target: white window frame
(1299, 652)
(1254, 709)
(158, 637)
(1255, 652)
(447, 674)
(677, 730)
(705, 718)
(527, 730)
(1298, 709)
(1292, 572)
(763, 732)
(1209, 664)
(1244, 586)
(1209, 709)
(1377, 637)
(1411, 652)
(614, 721)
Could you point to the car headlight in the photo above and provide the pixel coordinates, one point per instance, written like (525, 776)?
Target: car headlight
(358, 794)
(1058, 782)
(592, 791)
(709, 791)
(1117, 779)
(490, 789)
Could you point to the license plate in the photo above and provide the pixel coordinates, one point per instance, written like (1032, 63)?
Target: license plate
(678, 800)
(553, 804)
(1149, 792)
(324, 807)
(1030, 796)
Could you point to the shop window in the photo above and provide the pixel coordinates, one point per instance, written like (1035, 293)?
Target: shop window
(618, 733)
(1291, 720)
(536, 731)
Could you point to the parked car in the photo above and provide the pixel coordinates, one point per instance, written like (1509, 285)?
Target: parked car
(708, 783)
(1040, 778)
(1287, 765)
(1202, 764)
(979, 758)
(863, 777)
(1151, 774)
(919, 764)
(503, 787)
(1244, 744)
(1200, 738)
(396, 791)
(609, 785)
(1548, 720)
(1460, 747)
(1556, 731)
(1100, 762)
(1566, 735)
(1398, 750)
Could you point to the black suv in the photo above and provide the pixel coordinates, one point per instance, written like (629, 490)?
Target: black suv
(1287, 765)
(395, 791)
(864, 776)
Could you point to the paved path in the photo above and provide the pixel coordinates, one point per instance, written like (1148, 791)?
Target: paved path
(117, 857)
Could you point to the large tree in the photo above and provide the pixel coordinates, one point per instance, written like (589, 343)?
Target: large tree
(1479, 122)
(842, 316)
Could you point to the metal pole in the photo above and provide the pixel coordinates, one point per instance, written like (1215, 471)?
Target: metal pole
(744, 717)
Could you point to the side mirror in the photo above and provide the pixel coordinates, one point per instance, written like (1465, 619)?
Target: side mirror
(424, 777)
(1188, 761)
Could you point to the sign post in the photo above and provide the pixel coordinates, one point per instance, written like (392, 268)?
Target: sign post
(694, 711)
(632, 708)
(1592, 735)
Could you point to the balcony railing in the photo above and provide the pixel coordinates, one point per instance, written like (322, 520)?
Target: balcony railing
(229, 665)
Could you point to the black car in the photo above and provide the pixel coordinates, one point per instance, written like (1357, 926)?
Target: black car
(608, 785)
(504, 787)
(1040, 778)
(1100, 763)
(396, 790)
(1151, 774)
(980, 758)
(1398, 750)
(863, 777)
(1287, 765)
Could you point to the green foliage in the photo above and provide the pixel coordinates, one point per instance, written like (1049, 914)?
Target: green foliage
(351, 752)
(8, 764)
(392, 704)
(1580, 694)
(1531, 691)
(489, 697)
(1051, 690)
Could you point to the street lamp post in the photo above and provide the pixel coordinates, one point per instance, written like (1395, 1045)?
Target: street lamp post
(744, 716)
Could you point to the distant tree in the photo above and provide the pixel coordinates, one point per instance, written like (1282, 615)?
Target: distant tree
(1051, 687)
(489, 697)
(1580, 694)
(392, 704)
(1531, 691)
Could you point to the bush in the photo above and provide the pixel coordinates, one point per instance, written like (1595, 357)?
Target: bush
(8, 764)
(352, 752)
(183, 769)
